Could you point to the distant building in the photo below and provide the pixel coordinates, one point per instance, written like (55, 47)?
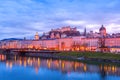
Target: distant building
(102, 31)
(67, 28)
(115, 35)
(67, 39)
(36, 36)
(61, 33)
(85, 33)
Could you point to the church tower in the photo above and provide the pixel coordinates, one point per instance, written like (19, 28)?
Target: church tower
(85, 32)
(36, 36)
(102, 31)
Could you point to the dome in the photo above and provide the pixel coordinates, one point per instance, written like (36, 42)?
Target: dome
(102, 28)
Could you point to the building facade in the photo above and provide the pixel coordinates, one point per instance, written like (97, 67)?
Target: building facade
(67, 43)
(78, 43)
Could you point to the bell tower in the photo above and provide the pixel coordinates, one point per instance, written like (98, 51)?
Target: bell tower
(36, 36)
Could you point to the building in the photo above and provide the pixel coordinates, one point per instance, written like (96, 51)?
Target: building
(36, 36)
(102, 31)
(61, 33)
(113, 44)
(68, 40)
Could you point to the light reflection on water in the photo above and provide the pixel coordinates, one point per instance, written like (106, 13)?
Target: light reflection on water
(31, 68)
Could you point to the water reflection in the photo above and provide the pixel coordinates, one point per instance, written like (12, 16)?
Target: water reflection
(65, 67)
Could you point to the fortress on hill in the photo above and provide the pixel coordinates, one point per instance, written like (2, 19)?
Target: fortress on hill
(67, 31)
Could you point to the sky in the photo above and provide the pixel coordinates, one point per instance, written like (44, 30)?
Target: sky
(23, 18)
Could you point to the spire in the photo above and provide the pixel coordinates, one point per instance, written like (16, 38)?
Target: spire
(102, 25)
(102, 28)
(85, 31)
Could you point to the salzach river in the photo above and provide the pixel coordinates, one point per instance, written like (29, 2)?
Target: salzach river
(31, 68)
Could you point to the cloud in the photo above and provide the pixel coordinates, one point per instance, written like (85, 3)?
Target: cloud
(25, 17)
(72, 22)
(112, 27)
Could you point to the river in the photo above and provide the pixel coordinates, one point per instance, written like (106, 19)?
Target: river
(31, 68)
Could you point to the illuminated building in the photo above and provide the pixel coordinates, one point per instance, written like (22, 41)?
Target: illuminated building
(63, 42)
(36, 36)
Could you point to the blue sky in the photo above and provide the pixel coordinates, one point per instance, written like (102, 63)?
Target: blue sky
(23, 18)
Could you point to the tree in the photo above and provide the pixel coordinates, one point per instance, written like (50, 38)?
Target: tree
(101, 43)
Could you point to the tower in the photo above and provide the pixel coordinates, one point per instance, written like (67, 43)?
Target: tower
(84, 32)
(36, 36)
(102, 31)
(52, 35)
(57, 35)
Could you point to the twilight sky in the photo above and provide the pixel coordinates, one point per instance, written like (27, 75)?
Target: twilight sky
(23, 18)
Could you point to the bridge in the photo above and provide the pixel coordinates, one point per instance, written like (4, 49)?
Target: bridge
(34, 51)
(23, 51)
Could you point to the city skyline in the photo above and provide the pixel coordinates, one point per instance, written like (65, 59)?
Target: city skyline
(23, 18)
